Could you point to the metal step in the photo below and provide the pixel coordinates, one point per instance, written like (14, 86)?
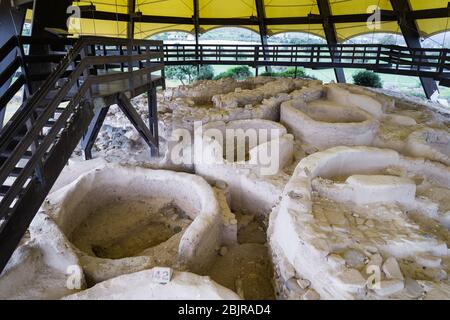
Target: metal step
(5, 155)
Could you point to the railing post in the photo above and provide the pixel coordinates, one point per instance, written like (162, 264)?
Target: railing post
(442, 62)
(378, 57)
(86, 72)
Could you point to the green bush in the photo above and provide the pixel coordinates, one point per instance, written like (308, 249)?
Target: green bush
(237, 73)
(269, 74)
(289, 73)
(367, 79)
(205, 73)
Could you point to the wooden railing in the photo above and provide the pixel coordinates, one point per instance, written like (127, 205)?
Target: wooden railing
(433, 63)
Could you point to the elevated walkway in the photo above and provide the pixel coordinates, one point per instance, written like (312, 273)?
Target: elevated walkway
(391, 59)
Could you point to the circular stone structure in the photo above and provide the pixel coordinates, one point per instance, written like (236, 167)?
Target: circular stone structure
(430, 144)
(121, 220)
(325, 122)
(242, 153)
(351, 213)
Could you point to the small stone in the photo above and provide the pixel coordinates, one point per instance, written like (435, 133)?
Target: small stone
(223, 251)
(294, 195)
(370, 223)
(336, 218)
(293, 286)
(311, 294)
(220, 184)
(427, 260)
(354, 258)
(413, 288)
(389, 287)
(304, 283)
(352, 280)
(371, 249)
(392, 270)
(335, 261)
(376, 260)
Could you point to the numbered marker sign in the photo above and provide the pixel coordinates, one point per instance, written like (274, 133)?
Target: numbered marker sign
(162, 275)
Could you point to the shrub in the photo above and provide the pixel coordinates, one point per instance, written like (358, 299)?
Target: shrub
(289, 73)
(238, 73)
(367, 79)
(269, 74)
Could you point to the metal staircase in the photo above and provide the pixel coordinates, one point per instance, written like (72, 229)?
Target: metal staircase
(69, 105)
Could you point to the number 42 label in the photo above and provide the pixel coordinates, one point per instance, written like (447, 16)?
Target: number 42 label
(162, 275)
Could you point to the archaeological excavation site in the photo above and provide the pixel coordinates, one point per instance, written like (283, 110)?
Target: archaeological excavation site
(143, 159)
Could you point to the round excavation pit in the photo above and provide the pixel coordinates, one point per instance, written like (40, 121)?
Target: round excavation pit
(244, 154)
(324, 123)
(350, 210)
(122, 220)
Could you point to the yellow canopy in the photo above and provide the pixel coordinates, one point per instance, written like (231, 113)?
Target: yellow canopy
(247, 9)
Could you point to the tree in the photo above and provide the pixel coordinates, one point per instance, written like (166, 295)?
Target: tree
(181, 73)
(187, 74)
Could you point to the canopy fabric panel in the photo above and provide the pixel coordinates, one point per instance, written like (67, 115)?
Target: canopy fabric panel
(146, 30)
(340, 7)
(227, 9)
(275, 11)
(167, 8)
(92, 27)
(290, 8)
(314, 29)
(346, 31)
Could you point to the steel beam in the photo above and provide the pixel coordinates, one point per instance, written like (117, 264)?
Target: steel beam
(127, 108)
(196, 18)
(330, 34)
(88, 140)
(131, 14)
(411, 34)
(261, 13)
(386, 15)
